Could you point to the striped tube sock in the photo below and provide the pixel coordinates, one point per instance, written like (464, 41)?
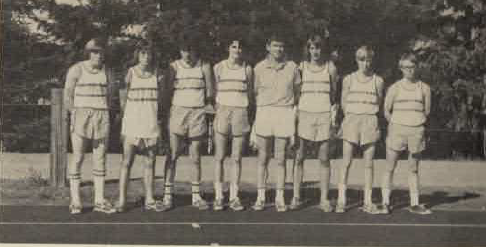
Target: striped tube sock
(195, 187)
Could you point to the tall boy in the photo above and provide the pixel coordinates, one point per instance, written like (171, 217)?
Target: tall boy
(87, 98)
(277, 83)
(191, 81)
(407, 106)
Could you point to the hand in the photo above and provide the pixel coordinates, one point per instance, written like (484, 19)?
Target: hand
(253, 139)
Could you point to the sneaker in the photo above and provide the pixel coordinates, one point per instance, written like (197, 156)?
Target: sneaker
(75, 209)
(296, 204)
(104, 207)
(326, 206)
(200, 204)
(280, 207)
(168, 204)
(370, 209)
(156, 206)
(121, 208)
(259, 205)
(340, 208)
(383, 209)
(235, 204)
(218, 205)
(419, 209)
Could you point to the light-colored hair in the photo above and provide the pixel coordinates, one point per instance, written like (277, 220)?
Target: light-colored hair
(365, 51)
(407, 57)
(318, 41)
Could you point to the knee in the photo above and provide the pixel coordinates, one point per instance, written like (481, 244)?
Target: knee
(413, 169)
(368, 164)
(78, 159)
(126, 164)
(236, 160)
(195, 158)
(325, 163)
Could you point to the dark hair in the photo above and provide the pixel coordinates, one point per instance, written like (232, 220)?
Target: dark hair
(277, 36)
(318, 41)
(98, 41)
(408, 56)
(142, 46)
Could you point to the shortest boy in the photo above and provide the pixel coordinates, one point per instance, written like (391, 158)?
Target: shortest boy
(407, 106)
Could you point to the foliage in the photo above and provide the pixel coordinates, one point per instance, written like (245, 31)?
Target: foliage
(448, 35)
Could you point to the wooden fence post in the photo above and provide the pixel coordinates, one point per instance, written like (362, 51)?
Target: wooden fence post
(58, 147)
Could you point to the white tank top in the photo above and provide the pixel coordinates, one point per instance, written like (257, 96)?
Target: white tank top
(140, 115)
(315, 90)
(362, 97)
(91, 89)
(189, 88)
(408, 106)
(232, 86)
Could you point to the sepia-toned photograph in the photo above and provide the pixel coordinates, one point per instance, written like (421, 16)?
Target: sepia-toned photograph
(243, 122)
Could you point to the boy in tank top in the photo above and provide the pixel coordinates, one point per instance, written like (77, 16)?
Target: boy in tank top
(140, 128)
(407, 106)
(191, 83)
(87, 99)
(233, 77)
(317, 101)
(362, 95)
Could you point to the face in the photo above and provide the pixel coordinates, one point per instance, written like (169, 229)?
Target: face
(96, 57)
(235, 50)
(188, 56)
(276, 49)
(314, 52)
(144, 58)
(364, 62)
(408, 69)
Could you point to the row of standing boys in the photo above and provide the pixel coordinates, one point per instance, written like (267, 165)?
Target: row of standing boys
(290, 99)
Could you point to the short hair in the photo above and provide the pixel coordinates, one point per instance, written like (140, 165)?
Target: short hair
(408, 56)
(365, 51)
(97, 43)
(318, 41)
(276, 36)
(142, 46)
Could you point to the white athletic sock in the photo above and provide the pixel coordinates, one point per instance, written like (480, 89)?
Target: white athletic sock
(385, 194)
(218, 190)
(233, 191)
(168, 188)
(367, 196)
(196, 196)
(99, 187)
(342, 194)
(279, 196)
(414, 198)
(261, 194)
(74, 189)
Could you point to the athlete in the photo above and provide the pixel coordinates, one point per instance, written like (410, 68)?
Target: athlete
(141, 103)
(277, 83)
(316, 112)
(407, 106)
(88, 97)
(191, 81)
(362, 95)
(233, 78)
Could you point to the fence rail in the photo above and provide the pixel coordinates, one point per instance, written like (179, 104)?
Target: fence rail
(44, 128)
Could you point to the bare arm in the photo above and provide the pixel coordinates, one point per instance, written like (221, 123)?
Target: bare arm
(72, 78)
(334, 81)
(428, 99)
(297, 85)
(388, 105)
(124, 92)
(208, 78)
(250, 81)
(344, 93)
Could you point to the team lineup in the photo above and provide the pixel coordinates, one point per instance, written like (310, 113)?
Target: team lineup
(292, 100)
